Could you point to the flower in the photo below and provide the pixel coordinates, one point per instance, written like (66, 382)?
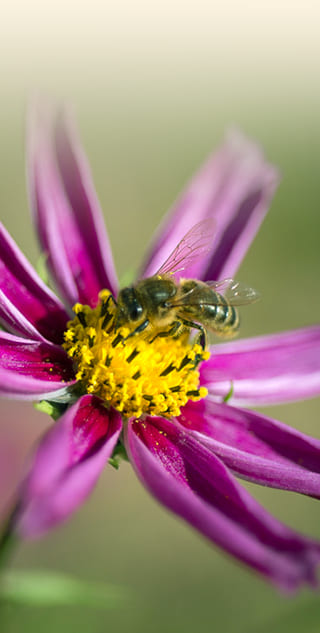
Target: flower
(186, 452)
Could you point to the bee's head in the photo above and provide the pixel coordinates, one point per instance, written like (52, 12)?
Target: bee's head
(129, 308)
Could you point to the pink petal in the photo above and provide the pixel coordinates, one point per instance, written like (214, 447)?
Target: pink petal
(66, 209)
(33, 369)
(66, 465)
(235, 187)
(255, 447)
(27, 306)
(192, 482)
(266, 369)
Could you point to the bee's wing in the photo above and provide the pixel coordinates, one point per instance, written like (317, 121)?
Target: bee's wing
(234, 292)
(193, 245)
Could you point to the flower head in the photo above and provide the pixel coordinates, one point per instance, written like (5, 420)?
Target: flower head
(134, 375)
(153, 389)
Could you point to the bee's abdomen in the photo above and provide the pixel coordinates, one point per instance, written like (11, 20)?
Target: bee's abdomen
(208, 307)
(222, 317)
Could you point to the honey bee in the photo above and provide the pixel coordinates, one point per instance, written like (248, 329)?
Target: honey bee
(162, 305)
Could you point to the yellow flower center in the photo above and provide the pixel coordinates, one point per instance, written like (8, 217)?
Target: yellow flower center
(136, 375)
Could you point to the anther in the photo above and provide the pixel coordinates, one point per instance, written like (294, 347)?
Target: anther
(106, 320)
(197, 359)
(117, 340)
(82, 318)
(132, 356)
(184, 362)
(168, 370)
(104, 306)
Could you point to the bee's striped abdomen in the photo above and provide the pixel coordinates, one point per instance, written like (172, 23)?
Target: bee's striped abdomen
(202, 304)
(220, 316)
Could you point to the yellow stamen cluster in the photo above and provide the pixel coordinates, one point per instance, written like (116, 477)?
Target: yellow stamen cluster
(136, 375)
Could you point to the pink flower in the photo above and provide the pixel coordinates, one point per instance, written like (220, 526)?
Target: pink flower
(187, 462)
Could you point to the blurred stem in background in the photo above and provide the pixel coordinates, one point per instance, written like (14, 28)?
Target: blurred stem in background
(8, 540)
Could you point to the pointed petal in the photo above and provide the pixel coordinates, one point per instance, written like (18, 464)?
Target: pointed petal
(66, 209)
(32, 369)
(192, 482)
(27, 306)
(235, 187)
(255, 447)
(66, 465)
(267, 369)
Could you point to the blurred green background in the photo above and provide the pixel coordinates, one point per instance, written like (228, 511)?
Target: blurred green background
(154, 86)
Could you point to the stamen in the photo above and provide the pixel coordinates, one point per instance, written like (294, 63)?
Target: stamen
(106, 320)
(82, 319)
(117, 340)
(168, 370)
(184, 362)
(154, 376)
(132, 356)
(104, 307)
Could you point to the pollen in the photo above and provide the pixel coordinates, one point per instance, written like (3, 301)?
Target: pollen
(139, 374)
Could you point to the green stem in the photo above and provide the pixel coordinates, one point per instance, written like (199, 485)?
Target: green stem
(8, 538)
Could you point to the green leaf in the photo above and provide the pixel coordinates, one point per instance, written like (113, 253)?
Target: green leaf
(54, 409)
(229, 394)
(43, 588)
(118, 455)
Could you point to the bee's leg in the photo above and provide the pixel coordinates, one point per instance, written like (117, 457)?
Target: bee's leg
(202, 336)
(176, 325)
(138, 329)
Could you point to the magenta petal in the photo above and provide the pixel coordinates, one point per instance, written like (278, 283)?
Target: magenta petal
(192, 482)
(32, 369)
(66, 210)
(255, 447)
(67, 465)
(27, 306)
(235, 186)
(266, 369)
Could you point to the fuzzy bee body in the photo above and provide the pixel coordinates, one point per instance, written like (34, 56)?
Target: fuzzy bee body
(162, 305)
(209, 307)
